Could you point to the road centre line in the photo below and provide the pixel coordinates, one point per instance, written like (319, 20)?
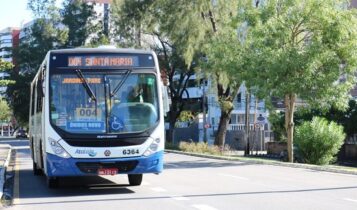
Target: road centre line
(203, 207)
(349, 199)
(233, 176)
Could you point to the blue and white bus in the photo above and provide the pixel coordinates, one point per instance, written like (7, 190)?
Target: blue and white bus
(97, 111)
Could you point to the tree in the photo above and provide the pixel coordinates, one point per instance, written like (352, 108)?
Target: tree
(78, 16)
(304, 49)
(45, 34)
(135, 20)
(4, 67)
(5, 111)
(184, 29)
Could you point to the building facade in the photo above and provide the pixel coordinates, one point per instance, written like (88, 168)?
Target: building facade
(9, 39)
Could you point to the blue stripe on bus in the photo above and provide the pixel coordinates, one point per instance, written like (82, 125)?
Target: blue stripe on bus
(57, 166)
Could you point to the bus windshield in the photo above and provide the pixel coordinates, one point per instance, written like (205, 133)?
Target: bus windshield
(123, 102)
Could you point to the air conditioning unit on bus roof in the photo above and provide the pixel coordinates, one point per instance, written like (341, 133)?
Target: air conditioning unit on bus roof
(106, 47)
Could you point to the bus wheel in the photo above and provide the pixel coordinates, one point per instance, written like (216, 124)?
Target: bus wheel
(52, 182)
(36, 171)
(135, 179)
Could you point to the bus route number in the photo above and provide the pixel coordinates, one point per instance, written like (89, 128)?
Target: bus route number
(130, 151)
(88, 113)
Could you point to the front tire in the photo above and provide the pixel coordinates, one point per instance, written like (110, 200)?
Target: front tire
(135, 179)
(36, 171)
(52, 182)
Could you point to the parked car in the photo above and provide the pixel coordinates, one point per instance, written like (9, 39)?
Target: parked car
(21, 134)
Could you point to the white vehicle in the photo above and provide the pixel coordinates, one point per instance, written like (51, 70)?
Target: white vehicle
(97, 112)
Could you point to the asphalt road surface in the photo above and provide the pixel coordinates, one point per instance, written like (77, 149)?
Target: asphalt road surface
(188, 183)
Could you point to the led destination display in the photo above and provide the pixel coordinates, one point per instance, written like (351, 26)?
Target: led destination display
(103, 61)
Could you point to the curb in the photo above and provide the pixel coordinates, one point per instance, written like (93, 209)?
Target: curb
(3, 171)
(333, 169)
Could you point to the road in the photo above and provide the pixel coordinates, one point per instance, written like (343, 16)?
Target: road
(189, 183)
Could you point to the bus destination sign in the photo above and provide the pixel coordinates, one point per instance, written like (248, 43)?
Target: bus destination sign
(103, 61)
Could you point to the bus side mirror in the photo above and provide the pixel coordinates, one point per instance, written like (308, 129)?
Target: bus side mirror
(41, 83)
(165, 99)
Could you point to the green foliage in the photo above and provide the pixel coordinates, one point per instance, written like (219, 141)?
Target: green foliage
(45, 34)
(304, 47)
(78, 16)
(319, 141)
(5, 112)
(19, 95)
(186, 116)
(347, 118)
(277, 125)
(5, 67)
(42, 8)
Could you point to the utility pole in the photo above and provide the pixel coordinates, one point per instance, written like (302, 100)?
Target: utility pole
(204, 111)
(247, 112)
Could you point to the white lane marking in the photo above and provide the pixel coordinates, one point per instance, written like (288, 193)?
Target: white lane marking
(20, 147)
(158, 189)
(233, 176)
(180, 198)
(349, 199)
(203, 207)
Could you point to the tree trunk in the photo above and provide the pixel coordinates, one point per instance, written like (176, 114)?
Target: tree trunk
(289, 123)
(222, 128)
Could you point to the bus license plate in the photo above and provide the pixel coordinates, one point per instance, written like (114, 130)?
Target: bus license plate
(107, 171)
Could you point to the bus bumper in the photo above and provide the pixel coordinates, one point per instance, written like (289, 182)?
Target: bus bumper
(57, 166)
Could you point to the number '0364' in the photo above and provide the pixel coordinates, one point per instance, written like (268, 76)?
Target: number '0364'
(130, 151)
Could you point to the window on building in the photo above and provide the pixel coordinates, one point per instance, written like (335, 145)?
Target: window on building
(233, 119)
(239, 98)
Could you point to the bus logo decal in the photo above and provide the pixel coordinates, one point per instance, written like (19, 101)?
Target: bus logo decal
(89, 152)
(107, 153)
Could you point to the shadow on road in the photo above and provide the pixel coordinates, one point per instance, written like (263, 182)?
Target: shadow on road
(256, 193)
(35, 186)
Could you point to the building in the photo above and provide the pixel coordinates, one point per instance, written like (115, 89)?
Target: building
(258, 114)
(9, 39)
(102, 10)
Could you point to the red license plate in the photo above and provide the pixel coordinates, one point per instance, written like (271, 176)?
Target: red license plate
(107, 171)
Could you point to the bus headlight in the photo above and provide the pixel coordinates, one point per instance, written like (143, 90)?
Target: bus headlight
(58, 149)
(153, 147)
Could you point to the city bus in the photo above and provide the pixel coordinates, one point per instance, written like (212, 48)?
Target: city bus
(95, 112)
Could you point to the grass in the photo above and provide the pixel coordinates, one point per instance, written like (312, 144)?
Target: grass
(201, 147)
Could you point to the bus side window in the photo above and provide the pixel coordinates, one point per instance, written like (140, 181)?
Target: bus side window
(40, 93)
(33, 100)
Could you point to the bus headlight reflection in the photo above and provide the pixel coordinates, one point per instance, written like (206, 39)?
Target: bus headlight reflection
(153, 147)
(58, 149)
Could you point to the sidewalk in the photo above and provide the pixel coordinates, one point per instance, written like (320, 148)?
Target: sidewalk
(5, 151)
(258, 160)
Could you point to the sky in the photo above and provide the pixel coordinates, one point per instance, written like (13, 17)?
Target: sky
(14, 13)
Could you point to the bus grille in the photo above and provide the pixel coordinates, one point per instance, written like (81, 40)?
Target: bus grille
(92, 167)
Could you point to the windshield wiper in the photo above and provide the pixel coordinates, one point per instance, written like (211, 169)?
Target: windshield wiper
(116, 89)
(85, 85)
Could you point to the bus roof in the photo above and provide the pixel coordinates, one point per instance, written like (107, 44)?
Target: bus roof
(102, 50)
